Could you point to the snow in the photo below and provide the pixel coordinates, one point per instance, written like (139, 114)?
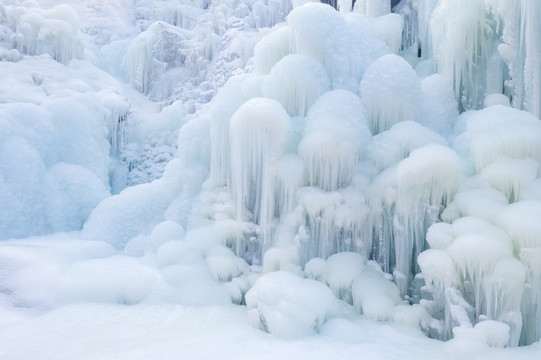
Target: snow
(270, 178)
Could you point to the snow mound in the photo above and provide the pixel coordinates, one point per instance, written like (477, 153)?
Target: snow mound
(286, 305)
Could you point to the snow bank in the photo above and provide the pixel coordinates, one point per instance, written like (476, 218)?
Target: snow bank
(115, 279)
(134, 211)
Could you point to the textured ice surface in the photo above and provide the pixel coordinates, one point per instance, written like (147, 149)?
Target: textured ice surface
(328, 190)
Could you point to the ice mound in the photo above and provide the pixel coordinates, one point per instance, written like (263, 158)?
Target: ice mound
(32, 275)
(341, 270)
(346, 52)
(391, 76)
(58, 135)
(135, 210)
(296, 81)
(36, 31)
(500, 131)
(284, 304)
(395, 144)
(374, 295)
(334, 139)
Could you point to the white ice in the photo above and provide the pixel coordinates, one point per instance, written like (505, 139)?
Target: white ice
(270, 178)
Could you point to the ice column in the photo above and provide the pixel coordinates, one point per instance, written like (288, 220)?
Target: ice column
(258, 133)
(426, 181)
(373, 7)
(531, 13)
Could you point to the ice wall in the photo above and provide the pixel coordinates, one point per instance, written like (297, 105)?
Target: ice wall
(365, 165)
(481, 47)
(329, 157)
(481, 255)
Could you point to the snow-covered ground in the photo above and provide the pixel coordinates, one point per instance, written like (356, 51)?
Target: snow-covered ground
(270, 179)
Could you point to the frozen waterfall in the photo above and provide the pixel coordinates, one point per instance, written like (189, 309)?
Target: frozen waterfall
(311, 162)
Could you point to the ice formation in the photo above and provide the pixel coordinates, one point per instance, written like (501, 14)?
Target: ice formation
(273, 307)
(39, 31)
(379, 195)
(329, 164)
(493, 52)
(390, 76)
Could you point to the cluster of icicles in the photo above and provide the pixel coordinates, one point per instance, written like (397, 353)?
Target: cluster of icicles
(335, 144)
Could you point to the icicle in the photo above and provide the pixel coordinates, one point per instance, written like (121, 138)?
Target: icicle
(475, 257)
(464, 39)
(296, 81)
(225, 103)
(383, 194)
(156, 50)
(334, 140)
(531, 308)
(426, 181)
(521, 221)
(503, 291)
(440, 274)
(510, 176)
(373, 7)
(271, 49)
(116, 120)
(394, 145)
(258, 133)
(500, 131)
(391, 77)
(54, 32)
(345, 6)
(531, 13)
(288, 177)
